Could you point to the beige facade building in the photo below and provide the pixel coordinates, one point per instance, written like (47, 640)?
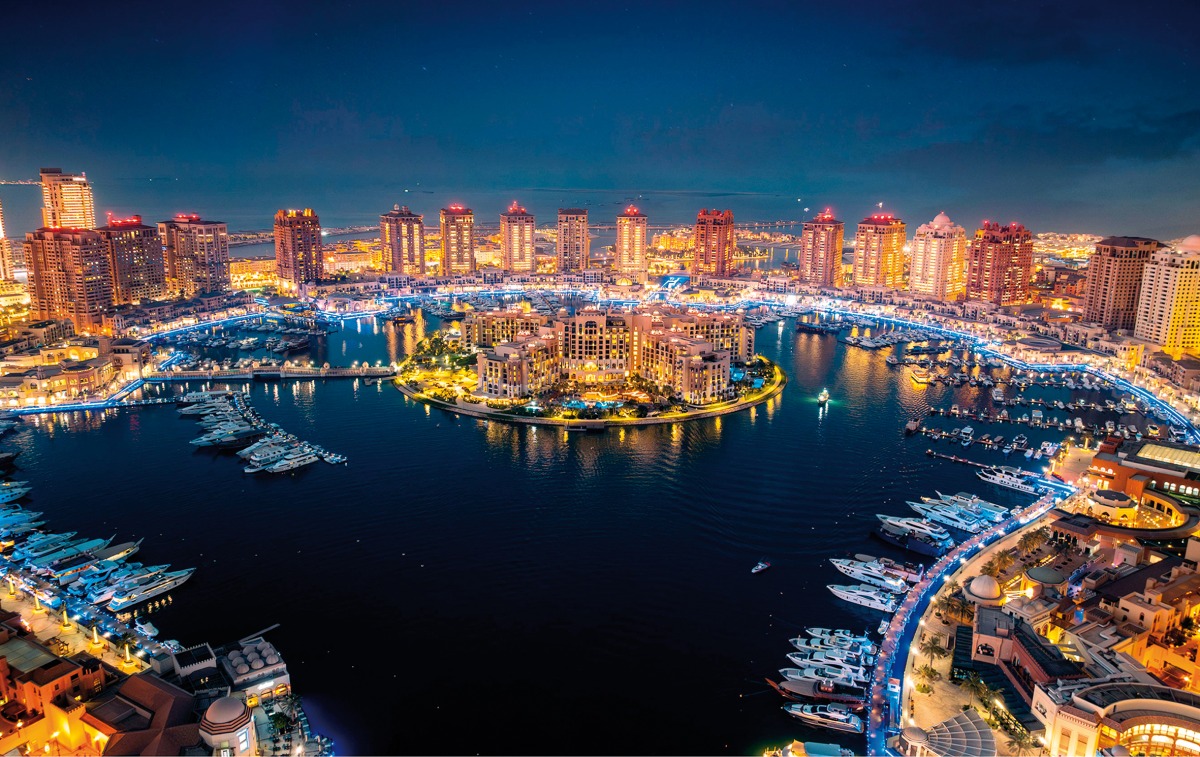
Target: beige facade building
(879, 252)
(492, 327)
(196, 255)
(1000, 264)
(402, 237)
(630, 247)
(517, 252)
(520, 367)
(713, 243)
(69, 276)
(1114, 280)
(7, 267)
(135, 255)
(67, 200)
(819, 259)
(458, 240)
(298, 253)
(1168, 312)
(939, 260)
(573, 247)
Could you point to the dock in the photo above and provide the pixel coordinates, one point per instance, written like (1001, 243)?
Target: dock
(270, 373)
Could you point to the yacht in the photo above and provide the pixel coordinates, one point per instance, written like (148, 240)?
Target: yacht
(849, 670)
(762, 565)
(68, 550)
(866, 596)
(150, 589)
(823, 397)
(850, 651)
(1020, 441)
(10, 493)
(910, 540)
(838, 634)
(973, 504)
(871, 574)
(817, 674)
(948, 515)
(904, 571)
(291, 463)
(145, 627)
(834, 716)
(918, 526)
(1007, 480)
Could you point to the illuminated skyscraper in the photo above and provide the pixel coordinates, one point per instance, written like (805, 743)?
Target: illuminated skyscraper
(7, 269)
(819, 260)
(67, 200)
(1114, 279)
(939, 260)
(631, 241)
(574, 245)
(458, 240)
(1168, 311)
(298, 248)
(516, 240)
(879, 252)
(713, 242)
(402, 234)
(135, 257)
(1000, 264)
(69, 276)
(196, 255)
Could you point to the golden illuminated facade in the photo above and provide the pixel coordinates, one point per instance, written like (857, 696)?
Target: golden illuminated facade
(69, 276)
(819, 259)
(135, 255)
(939, 260)
(298, 254)
(492, 327)
(573, 247)
(630, 247)
(517, 252)
(67, 200)
(1000, 264)
(458, 240)
(402, 237)
(879, 252)
(1168, 311)
(252, 273)
(7, 268)
(196, 255)
(713, 242)
(1114, 280)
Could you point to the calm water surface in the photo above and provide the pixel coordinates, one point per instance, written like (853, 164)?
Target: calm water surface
(463, 586)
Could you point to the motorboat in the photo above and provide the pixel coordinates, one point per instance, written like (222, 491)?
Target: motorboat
(851, 671)
(948, 515)
(834, 716)
(919, 526)
(145, 627)
(1007, 480)
(762, 565)
(149, 590)
(865, 596)
(871, 574)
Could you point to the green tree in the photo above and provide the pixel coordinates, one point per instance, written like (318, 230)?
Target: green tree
(932, 648)
(1021, 742)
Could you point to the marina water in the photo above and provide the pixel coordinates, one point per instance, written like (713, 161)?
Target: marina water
(469, 586)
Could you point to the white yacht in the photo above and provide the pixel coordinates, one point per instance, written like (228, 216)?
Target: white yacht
(851, 653)
(872, 574)
(292, 462)
(994, 512)
(817, 674)
(919, 526)
(854, 645)
(1007, 480)
(866, 596)
(834, 716)
(150, 589)
(851, 670)
(948, 515)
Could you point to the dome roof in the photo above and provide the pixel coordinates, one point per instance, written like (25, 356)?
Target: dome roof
(224, 710)
(1191, 243)
(1044, 575)
(914, 735)
(941, 219)
(984, 587)
(1113, 498)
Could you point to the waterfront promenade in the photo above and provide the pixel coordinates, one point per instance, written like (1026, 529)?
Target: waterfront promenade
(885, 697)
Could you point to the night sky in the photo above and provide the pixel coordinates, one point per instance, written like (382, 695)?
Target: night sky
(1066, 116)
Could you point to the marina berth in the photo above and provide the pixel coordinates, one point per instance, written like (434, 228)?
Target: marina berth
(871, 574)
(833, 716)
(865, 596)
(948, 515)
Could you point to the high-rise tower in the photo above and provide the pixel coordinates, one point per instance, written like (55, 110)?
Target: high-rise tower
(939, 260)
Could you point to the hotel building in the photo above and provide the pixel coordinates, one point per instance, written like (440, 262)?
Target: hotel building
(573, 247)
(1168, 311)
(630, 247)
(67, 200)
(7, 266)
(1114, 280)
(879, 252)
(492, 327)
(458, 240)
(819, 259)
(520, 367)
(939, 260)
(713, 243)
(517, 253)
(69, 276)
(196, 255)
(298, 255)
(135, 255)
(402, 237)
(1000, 264)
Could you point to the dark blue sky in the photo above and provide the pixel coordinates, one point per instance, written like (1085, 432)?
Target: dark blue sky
(1067, 116)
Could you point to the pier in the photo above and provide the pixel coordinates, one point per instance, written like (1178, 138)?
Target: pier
(885, 696)
(271, 372)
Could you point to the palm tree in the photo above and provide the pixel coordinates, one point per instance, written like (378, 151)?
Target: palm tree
(952, 587)
(932, 648)
(929, 674)
(1005, 559)
(1020, 742)
(990, 568)
(975, 685)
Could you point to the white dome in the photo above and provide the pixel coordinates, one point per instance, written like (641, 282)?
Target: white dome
(224, 710)
(256, 664)
(243, 669)
(1191, 244)
(272, 659)
(941, 219)
(985, 587)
